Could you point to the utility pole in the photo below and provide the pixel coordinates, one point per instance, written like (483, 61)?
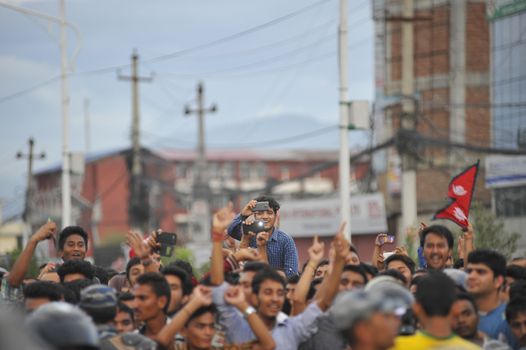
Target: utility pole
(30, 156)
(66, 168)
(200, 210)
(135, 136)
(409, 210)
(87, 129)
(344, 161)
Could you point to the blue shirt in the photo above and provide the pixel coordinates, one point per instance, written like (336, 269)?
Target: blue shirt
(288, 333)
(281, 250)
(495, 326)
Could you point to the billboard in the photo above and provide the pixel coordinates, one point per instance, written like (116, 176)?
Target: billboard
(321, 216)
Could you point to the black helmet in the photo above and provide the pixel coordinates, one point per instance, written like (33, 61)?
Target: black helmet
(63, 325)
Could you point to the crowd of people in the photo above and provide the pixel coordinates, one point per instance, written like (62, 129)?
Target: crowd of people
(256, 296)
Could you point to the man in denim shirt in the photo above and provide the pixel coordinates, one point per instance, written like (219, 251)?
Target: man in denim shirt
(280, 248)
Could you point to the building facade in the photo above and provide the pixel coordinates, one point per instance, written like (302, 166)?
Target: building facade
(450, 75)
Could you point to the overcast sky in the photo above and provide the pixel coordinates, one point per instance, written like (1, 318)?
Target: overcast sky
(264, 62)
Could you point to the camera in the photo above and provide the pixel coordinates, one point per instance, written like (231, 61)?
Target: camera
(257, 226)
(261, 206)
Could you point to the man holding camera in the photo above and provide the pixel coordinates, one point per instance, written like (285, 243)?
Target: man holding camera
(257, 219)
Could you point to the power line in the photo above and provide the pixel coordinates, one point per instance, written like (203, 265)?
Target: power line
(27, 90)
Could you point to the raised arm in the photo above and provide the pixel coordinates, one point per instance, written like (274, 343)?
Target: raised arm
(235, 297)
(299, 298)
(234, 229)
(329, 287)
(201, 296)
(220, 221)
(142, 250)
(19, 269)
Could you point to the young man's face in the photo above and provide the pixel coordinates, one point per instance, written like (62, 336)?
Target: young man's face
(200, 331)
(351, 280)
(268, 216)
(135, 271)
(518, 327)
(436, 251)
(123, 322)
(76, 276)
(176, 293)
(74, 248)
(147, 304)
(481, 280)
(464, 319)
(321, 271)
(402, 268)
(270, 298)
(245, 280)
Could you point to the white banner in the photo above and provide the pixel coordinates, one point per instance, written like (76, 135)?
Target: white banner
(505, 171)
(321, 216)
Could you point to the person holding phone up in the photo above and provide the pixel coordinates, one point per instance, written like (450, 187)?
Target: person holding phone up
(257, 224)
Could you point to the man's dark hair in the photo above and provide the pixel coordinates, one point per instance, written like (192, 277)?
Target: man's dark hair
(125, 296)
(131, 263)
(357, 269)
(515, 306)
(491, 258)
(395, 274)
(468, 297)
(72, 290)
(186, 283)
(255, 266)
(312, 288)
(158, 284)
(121, 307)
(517, 289)
(369, 269)
(407, 261)
(516, 272)
(439, 230)
(264, 275)
(185, 265)
(436, 292)
(271, 202)
(43, 289)
(201, 311)
(71, 230)
(101, 273)
(76, 266)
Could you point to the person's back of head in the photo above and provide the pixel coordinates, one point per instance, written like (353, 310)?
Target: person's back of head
(39, 293)
(516, 272)
(255, 266)
(76, 269)
(436, 293)
(394, 273)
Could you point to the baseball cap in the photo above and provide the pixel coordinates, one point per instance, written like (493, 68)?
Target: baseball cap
(98, 296)
(458, 276)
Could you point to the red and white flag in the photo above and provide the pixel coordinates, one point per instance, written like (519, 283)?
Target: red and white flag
(461, 190)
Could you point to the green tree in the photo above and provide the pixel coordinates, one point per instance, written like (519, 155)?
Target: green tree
(490, 232)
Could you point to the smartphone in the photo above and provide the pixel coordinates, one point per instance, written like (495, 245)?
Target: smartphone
(261, 206)
(167, 240)
(388, 239)
(387, 254)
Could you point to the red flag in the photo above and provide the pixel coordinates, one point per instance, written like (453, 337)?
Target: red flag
(461, 190)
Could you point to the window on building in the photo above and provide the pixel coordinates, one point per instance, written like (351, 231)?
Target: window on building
(260, 170)
(510, 201)
(228, 170)
(244, 170)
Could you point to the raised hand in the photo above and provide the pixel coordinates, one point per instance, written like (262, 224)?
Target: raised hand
(48, 230)
(202, 295)
(341, 245)
(246, 254)
(401, 250)
(235, 296)
(222, 218)
(152, 240)
(247, 210)
(135, 241)
(469, 234)
(316, 250)
(262, 239)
